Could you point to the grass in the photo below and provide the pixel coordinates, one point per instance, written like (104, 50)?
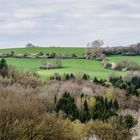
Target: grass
(60, 50)
(117, 58)
(91, 67)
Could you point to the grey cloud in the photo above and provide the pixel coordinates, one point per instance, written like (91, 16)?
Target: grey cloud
(69, 22)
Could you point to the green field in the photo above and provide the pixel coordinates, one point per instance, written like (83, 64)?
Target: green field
(91, 67)
(121, 58)
(60, 50)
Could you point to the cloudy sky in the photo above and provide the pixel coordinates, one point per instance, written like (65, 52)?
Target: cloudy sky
(68, 22)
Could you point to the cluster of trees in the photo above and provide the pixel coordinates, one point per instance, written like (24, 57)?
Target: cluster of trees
(96, 51)
(71, 76)
(128, 65)
(54, 64)
(102, 110)
(105, 109)
(24, 114)
(132, 85)
(24, 78)
(66, 109)
(68, 106)
(30, 45)
(131, 50)
(124, 65)
(41, 55)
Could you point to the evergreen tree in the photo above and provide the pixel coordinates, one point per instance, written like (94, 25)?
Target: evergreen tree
(3, 68)
(116, 104)
(67, 77)
(72, 76)
(95, 80)
(101, 81)
(55, 99)
(85, 77)
(85, 116)
(82, 95)
(103, 108)
(68, 106)
(127, 121)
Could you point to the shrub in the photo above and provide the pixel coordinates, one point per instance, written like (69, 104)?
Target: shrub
(104, 109)
(55, 64)
(3, 68)
(67, 104)
(111, 130)
(127, 121)
(128, 65)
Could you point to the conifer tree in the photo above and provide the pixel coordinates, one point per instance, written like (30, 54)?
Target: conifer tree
(3, 68)
(85, 77)
(68, 106)
(86, 116)
(95, 80)
(67, 77)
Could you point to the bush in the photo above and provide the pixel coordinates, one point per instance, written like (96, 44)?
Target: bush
(3, 68)
(128, 121)
(111, 130)
(55, 64)
(104, 109)
(127, 65)
(68, 106)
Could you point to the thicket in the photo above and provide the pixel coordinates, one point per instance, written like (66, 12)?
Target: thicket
(64, 109)
(131, 85)
(128, 65)
(54, 64)
(95, 50)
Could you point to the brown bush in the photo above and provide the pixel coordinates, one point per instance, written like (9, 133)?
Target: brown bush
(111, 130)
(21, 119)
(128, 65)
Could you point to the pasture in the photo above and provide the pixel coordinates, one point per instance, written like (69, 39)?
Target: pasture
(91, 67)
(60, 50)
(117, 58)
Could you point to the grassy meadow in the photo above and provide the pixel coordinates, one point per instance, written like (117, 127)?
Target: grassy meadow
(60, 50)
(120, 58)
(91, 67)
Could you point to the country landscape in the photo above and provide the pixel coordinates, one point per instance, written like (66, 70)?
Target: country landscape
(69, 70)
(70, 93)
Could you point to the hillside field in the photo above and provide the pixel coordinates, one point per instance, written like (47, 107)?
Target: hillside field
(91, 67)
(61, 50)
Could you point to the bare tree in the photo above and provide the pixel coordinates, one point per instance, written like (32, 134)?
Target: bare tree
(97, 43)
(95, 48)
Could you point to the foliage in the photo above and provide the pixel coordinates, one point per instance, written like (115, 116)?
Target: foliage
(67, 105)
(127, 121)
(130, 50)
(131, 85)
(85, 77)
(111, 130)
(94, 49)
(128, 65)
(3, 68)
(85, 114)
(65, 109)
(104, 109)
(55, 64)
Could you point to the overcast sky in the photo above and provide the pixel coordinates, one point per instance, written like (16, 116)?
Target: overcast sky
(68, 22)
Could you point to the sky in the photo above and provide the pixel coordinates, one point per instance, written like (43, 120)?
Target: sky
(69, 22)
